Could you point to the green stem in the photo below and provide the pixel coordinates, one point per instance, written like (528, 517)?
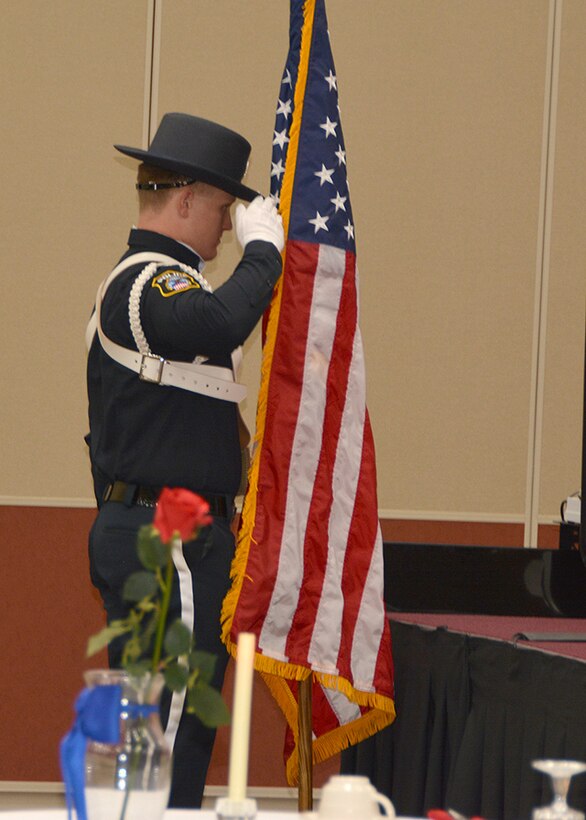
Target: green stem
(160, 634)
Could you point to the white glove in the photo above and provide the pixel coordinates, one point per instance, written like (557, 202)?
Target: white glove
(260, 220)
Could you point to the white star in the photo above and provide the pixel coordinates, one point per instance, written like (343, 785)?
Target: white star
(277, 169)
(284, 108)
(325, 175)
(276, 197)
(339, 201)
(281, 138)
(331, 80)
(329, 127)
(340, 153)
(349, 228)
(287, 78)
(319, 222)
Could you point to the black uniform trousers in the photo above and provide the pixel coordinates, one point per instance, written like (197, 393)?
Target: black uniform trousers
(112, 554)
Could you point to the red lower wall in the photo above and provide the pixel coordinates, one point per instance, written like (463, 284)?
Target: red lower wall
(50, 609)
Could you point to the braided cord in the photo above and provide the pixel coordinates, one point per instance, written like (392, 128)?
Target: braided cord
(134, 300)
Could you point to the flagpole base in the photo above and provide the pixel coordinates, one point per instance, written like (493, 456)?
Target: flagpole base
(227, 809)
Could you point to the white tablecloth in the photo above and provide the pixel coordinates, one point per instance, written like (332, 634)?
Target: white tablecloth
(170, 814)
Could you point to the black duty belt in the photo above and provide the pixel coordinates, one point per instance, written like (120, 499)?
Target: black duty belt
(221, 506)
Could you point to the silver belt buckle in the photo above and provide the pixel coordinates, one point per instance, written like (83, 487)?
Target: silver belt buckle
(151, 368)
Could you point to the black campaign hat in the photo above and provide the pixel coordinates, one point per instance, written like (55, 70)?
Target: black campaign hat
(200, 149)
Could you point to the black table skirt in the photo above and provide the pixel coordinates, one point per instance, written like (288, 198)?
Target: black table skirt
(472, 713)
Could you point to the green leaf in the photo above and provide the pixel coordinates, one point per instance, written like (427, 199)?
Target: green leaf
(204, 662)
(176, 676)
(139, 668)
(102, 639)
(139, 585)
(177, 639)
(151, 551)
(208, 705)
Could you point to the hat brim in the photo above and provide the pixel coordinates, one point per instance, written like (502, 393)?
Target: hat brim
(231, 186)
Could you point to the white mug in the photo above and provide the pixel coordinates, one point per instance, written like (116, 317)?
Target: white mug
(352, 796)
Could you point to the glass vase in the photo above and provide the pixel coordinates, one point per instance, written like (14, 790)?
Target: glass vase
(129, 780)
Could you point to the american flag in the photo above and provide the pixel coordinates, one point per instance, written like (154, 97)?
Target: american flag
(308, 571)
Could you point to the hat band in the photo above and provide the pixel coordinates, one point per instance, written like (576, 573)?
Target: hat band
(158, 186)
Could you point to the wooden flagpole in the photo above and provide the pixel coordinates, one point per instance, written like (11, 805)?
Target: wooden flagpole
(305, 794)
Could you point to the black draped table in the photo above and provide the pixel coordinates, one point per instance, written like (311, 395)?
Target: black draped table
(476, 704)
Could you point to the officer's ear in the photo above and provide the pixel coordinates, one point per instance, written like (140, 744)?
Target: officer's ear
(184, 201)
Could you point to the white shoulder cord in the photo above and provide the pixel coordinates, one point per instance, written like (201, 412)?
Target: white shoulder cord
(134, 308)
(134, 303)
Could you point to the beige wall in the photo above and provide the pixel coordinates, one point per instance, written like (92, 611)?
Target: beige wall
(73, 83)
(443, 113)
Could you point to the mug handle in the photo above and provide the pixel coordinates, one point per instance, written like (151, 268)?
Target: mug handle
(386, 804)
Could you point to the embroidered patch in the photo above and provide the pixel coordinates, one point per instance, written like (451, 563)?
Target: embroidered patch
(171, 282)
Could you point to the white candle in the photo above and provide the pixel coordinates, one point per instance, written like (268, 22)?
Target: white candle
(240, 735)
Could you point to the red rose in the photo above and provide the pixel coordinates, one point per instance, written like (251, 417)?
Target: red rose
(180, 511)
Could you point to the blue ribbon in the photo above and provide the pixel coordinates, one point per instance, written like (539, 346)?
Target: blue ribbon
(98, 718)
(139, 710)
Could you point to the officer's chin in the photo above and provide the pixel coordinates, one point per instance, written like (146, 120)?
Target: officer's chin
(210, 253)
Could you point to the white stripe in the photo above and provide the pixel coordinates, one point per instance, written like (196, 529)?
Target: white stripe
(188, 618)
(325, 642)
(370, 623)
(306, 449)
(344, 709)
(370, 620)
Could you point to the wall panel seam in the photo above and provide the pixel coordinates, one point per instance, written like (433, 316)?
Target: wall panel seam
(152, 70)
(542, 267)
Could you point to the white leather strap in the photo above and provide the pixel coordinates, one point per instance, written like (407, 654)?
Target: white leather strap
(207, 380)
(135, 259)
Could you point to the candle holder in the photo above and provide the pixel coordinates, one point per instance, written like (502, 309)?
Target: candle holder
(228, 809)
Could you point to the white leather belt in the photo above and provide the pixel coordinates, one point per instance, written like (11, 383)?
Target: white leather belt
(207, 380)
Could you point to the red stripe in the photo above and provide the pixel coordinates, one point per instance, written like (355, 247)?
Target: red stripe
(383, 676)
(323, 717)
(283, 399)
(316, 544)
(384, 670)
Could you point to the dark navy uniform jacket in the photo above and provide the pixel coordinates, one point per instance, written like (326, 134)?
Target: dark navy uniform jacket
(143, 433)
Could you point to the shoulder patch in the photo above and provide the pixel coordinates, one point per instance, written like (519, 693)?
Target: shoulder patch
(171, 282)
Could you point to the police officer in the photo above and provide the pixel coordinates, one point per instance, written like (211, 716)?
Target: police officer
(163, 399)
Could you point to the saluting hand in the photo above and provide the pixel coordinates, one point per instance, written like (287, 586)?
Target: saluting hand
(260, 220)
